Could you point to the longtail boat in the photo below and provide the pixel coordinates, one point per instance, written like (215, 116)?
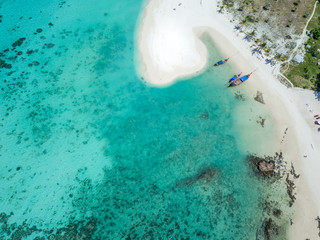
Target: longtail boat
(239, 80)
(221, 62)
(234, 77)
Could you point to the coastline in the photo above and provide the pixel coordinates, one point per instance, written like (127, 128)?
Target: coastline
(287, 106)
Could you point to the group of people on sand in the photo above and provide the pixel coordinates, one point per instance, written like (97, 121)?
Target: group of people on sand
(317, 121)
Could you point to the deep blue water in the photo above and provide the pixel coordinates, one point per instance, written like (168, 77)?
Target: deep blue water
(85, 142)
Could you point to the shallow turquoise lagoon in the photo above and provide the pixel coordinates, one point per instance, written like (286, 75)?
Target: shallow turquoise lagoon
(88, 149)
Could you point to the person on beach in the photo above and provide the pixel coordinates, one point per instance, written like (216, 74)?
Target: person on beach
(317, 122)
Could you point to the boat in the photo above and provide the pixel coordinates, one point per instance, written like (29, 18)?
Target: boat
(239, 80)
(221, 62)
(234, 77)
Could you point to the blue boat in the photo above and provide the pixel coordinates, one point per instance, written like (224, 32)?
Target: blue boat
(235, 77)
(221, 62)
(239, 80)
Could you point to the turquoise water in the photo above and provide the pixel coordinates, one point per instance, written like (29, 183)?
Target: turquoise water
(87, 148)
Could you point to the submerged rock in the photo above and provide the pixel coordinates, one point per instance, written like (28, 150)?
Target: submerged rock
(290, 190)
(272, 208)
(268, 231)
(83, 229)
(277, 213)
(261, 121)
(205, 176)
(205, 115)
(18, 42)
(48, 45)
(259, 97)
(3, 64)
(269, 228)
(239, 96)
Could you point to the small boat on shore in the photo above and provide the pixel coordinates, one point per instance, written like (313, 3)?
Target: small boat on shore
(239, 80)
(221, 62)
(235, 77)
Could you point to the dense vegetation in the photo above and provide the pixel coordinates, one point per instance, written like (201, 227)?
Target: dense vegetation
(280, 24)
(307, 73)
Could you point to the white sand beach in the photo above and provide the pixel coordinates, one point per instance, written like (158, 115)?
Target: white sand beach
(170, 48)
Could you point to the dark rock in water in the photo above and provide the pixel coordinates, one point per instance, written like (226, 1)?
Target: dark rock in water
(34, 63)
(204, 176)
(259, 97)
(277, 213)
(239, 96)
(3, 64)
(266, 227)
(39, 30)
(3, 217)
(261, 121)
(318, 220)
(265, 166)
(18, 42)
(83, 229)
(48, 45)
(272, 208)
(205, 115)
(293, 172)
(50, 24)
(29, 52)
(290, 190)
(269, 229)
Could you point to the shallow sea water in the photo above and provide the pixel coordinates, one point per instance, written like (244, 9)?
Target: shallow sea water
(88, 149)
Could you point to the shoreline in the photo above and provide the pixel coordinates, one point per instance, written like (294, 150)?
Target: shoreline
(287, 106)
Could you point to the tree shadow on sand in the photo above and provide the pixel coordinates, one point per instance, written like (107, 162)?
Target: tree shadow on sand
(317, 95)
(316, 92)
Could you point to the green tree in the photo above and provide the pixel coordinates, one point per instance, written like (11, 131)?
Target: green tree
(317, 84)
(316, 33)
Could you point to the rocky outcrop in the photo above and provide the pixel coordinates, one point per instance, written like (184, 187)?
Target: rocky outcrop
(318, 220)
(266, 167)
